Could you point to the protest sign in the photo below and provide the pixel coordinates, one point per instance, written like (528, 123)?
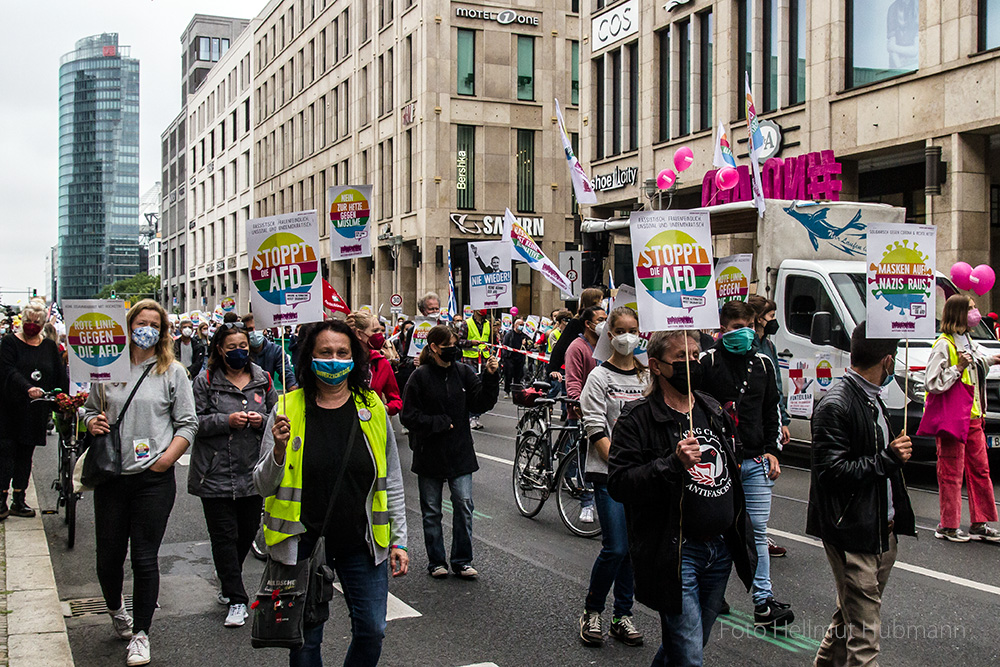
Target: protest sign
(900, 285)
(732, 280)
(490, 282)
(350, 221)
(421, 327)
(286, 288)
(98, 342)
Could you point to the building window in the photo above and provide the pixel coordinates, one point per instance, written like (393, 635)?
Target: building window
(707, 34)
(989, 24)
(663, 112)
(204, 49)
(599, 102)
(364, 21)
(770, 55)
(525, 171)
(386, 155)
(466, 65)
(797, 52)
(883, 39)
(364, 96)
(408, 200)
(525, 68)
(744, 52)
(633, 95)
(409, 68)
(574, 96)
(465, 160)
(615, 58)
(684, 65)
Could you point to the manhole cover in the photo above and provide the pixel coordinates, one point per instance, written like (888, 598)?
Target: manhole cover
(89, 607)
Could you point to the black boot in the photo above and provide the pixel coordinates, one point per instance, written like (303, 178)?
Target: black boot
(20, 508)
(4, 512)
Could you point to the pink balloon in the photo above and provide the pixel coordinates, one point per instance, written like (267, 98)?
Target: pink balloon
(727, 178)
(683, 158)
(514, 311)
(961, 274)
(982, 279)
(665, 179)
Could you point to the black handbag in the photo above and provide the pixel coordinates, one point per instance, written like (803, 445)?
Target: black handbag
(293, 596)
(103, 460)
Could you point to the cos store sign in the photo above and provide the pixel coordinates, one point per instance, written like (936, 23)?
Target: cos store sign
(615, 25)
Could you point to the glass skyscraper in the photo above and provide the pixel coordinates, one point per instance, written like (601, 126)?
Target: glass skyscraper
(98, 166)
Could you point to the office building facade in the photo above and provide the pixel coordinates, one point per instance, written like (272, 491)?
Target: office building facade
(204, 42)
(98, 166)
(901, 92)
(446, 108)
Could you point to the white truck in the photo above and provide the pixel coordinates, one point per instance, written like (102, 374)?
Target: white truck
(810, 259)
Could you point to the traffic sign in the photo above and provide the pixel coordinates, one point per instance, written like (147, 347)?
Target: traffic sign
(396, 300)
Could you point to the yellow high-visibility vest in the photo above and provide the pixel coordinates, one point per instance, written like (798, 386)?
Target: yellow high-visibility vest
(283, 510)
(477, 335)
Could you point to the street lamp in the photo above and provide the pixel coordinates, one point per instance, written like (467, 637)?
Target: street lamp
(654, 193)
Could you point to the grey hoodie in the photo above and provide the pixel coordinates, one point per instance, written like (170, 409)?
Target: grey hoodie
(162, 409)
(606, 392)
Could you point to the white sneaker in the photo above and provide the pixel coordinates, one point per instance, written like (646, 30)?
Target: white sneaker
(223, 600)
(122, 622)
(237, 616)
(587, 515)
(138, 649)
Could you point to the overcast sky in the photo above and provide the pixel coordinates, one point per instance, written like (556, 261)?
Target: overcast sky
(36, 35)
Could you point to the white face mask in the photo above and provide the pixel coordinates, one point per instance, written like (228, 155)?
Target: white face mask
(625, 343)
(187, 331)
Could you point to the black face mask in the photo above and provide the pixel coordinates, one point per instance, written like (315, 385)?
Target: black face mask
(771, 328)
(679, 380)
(450, 354)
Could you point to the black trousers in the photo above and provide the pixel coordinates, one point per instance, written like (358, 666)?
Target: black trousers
(232, 525)
(513, 371)
(15, 464)
(131, 511)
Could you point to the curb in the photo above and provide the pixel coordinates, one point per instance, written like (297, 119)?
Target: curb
(33, 623)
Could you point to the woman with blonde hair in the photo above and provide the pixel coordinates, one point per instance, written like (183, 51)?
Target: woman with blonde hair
(957, 360)
(383, 380)
(30, 364)
(131, 510)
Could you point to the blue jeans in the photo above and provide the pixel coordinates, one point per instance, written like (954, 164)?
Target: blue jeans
(613, 565)
(705, 568)
(366, 588)
(587, 497)
(757, 489)
(461, 526)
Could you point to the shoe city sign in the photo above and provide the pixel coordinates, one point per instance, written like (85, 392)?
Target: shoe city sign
(493, 224)
(619, 178)
(503, 17)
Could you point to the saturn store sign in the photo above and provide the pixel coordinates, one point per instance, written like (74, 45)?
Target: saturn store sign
(503, 17)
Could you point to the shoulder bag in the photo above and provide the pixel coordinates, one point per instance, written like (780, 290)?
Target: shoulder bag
(103, 460)
(293, 596)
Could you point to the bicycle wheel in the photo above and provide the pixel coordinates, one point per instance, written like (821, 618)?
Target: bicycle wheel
(529, 477)
(575, 497)
(70, 496)
(531, 423)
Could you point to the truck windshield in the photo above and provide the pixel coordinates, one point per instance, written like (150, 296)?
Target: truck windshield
(851, 287)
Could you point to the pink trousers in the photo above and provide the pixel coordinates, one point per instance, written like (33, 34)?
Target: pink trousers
(955, 458)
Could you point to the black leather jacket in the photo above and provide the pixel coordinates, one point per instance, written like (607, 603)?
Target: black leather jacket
(645, 475)
(848, 498)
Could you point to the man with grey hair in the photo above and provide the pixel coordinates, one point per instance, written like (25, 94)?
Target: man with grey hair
(429, 305)
(673, 464)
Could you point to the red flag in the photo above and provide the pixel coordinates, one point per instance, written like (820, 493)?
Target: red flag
(332, 300)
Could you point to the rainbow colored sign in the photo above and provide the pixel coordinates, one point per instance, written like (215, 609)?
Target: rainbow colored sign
(421, 327)
(526, 250)
(350, 221)
(675, 283)
(900, 291)
(284, 269)
(98, 344)
(732, 280)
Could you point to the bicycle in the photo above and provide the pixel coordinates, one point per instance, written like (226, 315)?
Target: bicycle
(541, 469)
(69, 450)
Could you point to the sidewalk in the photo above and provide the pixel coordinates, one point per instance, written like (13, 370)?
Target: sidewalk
(32, 629)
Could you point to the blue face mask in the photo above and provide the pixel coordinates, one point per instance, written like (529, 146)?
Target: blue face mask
(890, 377)
(145, 337)
(237, 358)
(332, 371)
(256, 338)
(739, 341)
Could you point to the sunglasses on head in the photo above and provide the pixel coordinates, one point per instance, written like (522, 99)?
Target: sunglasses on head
(234, 325)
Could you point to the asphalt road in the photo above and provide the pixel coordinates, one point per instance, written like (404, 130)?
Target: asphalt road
(941, 607)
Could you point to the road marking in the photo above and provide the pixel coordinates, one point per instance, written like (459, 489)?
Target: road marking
(497, 414)
(915, 569)
(395, 608)
(447, 507)
(495, 458)
(483, 664)
(789, 640)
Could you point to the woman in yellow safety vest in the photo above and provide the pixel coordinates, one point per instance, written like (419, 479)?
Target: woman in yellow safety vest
(333, 421)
